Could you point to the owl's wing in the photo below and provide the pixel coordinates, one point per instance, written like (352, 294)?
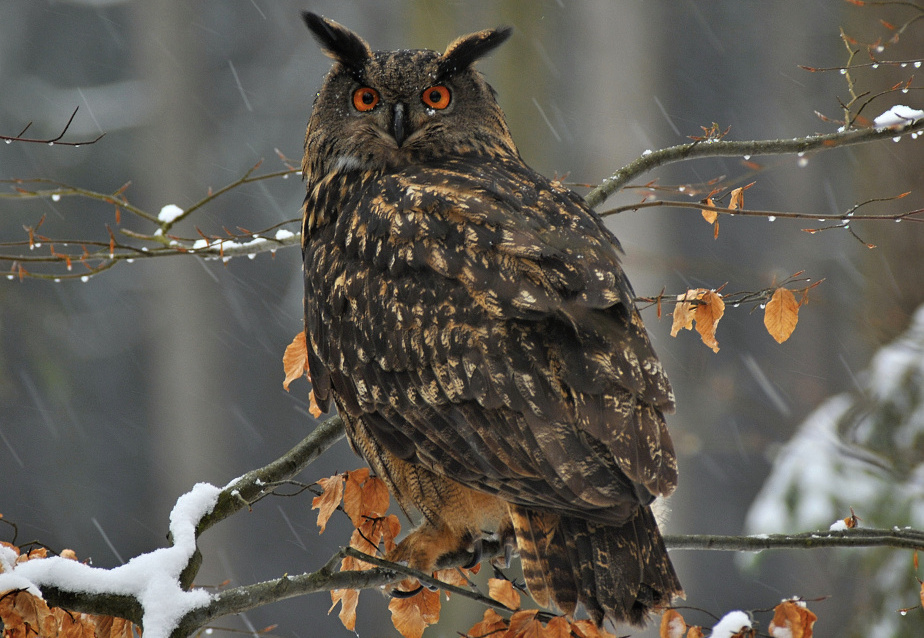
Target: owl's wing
(480, 324)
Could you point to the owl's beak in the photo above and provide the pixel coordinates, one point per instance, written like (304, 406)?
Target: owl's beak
(399, 123)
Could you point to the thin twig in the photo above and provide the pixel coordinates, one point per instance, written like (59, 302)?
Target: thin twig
(51, 140)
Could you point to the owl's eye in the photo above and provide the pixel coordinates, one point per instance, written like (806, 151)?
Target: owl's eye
(365, 99)
(436, 97)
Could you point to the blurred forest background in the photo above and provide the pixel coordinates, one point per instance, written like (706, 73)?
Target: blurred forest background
(118, 394)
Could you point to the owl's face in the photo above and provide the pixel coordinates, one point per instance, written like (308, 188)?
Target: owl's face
(387, 109)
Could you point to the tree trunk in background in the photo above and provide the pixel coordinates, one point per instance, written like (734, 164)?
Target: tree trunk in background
(185, 377)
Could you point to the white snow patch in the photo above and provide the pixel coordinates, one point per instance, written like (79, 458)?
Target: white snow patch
(282, 233)
(897, 116)
(169, 213)
(838, 526)
(152, 578)
(730, 624)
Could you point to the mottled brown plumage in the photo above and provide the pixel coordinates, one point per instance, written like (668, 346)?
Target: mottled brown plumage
(471, 322)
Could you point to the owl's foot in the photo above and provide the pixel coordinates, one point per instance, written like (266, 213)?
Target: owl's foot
(400, 593)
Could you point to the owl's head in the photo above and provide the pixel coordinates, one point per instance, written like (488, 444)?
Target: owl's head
(381, 110)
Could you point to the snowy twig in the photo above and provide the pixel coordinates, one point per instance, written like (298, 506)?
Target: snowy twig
(728, 148)
(856, 537)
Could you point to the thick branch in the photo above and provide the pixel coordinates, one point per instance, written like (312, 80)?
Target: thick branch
(727, 148)
(253, 485)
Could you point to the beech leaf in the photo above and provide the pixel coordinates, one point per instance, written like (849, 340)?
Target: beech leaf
(503, 592)
(295, 360)
(791, 620)
(411, 616)
(329, 499)
(781, 314)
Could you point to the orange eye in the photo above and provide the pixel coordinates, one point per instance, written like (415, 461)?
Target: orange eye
(436, 97)
(365, 99)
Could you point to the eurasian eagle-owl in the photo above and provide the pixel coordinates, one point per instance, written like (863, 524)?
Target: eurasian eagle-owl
(471, 322)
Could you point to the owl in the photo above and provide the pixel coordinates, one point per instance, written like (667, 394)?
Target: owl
(472, 324)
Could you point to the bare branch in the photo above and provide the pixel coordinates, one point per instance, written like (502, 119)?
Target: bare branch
(51, 140)
(856, 537)
(728, 148)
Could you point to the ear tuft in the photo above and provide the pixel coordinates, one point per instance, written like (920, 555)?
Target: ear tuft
(338, 42)
(463, 52)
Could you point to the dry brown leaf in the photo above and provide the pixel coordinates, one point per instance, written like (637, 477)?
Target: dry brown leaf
(391, 527)
(503, 592)
(707, 315)
(295, 360)
(781, 314)
(684, 310)
(313, 406)
(375, 497)
(791, 620)
(524, 624)
(586, 629)
(491, 626)
(329, 499)
(353, 495)
(295, 364)
(737, 199)
(672, 625)
(411, 616)
(348, 598)
(695, 632)
(709, 215)
(558, 627)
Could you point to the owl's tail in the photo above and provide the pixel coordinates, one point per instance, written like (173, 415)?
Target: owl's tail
(620, 573)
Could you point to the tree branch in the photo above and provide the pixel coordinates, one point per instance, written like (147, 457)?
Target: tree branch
(724, 148)
(254, 485)
(50, 140)
(856, 537)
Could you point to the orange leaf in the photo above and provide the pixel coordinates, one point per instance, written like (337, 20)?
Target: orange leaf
(695, 632)
(672, 625)
(737, 199)
(683, 311)
(411, 616)
(503, 592)
(348, 598)
(707, 316)
(353, 495)
(586, 629)
(491, 625)
(792, 620)
(391, 527)
(375, 497)
(558, 627)
(295, 360)
(524, 624)
(329, 499)
(709, 215)
(781, 314)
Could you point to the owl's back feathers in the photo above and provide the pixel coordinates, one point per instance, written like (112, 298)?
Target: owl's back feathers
(472, 323)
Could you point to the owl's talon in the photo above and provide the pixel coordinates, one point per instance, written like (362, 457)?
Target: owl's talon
(477, 552)
(400, 593)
